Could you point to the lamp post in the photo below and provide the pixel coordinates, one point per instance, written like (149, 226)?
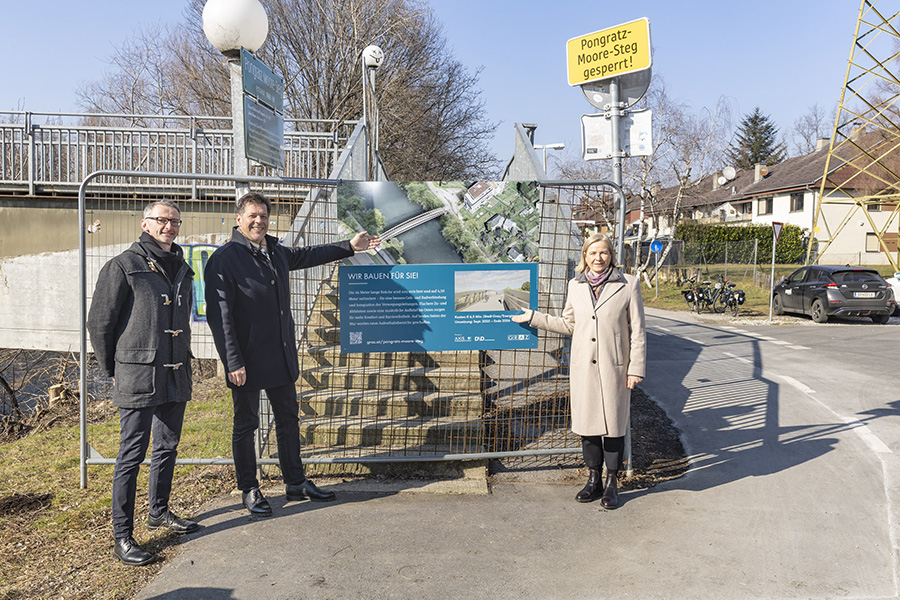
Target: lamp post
(230, 25)
(544, 147)
(372, 57)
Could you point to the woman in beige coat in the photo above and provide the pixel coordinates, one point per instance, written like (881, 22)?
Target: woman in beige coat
(604, 315)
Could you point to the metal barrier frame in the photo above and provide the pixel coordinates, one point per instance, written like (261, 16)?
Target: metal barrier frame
(315, 184)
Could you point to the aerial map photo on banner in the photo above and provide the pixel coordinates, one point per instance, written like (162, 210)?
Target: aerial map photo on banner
(457, 259)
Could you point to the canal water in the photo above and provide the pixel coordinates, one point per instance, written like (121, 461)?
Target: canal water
(27, 230)
(422, 245)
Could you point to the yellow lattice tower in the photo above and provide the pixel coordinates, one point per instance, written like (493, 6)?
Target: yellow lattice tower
(861, 171)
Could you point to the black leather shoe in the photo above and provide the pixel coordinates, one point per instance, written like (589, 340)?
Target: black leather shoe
(256, 503)
(305, 490)
(129, 553)
(172, 522)
(592, 490)
(610, 498)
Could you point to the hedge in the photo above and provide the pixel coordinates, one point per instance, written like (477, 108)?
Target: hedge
(707, 241)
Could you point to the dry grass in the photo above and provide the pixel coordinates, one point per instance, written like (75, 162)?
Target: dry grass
(57, 538)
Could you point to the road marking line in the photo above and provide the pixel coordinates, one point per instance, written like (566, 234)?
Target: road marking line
(798, 347)
(867, 436)
(795, 383)
(860, 428)
(736, 357)
(698, 342)
(780, 342)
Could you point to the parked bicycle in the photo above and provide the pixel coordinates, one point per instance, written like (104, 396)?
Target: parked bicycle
(691, 294)
(732, 299)
(713, 297)
(707, 295)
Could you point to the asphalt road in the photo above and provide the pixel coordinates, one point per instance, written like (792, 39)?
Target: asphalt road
(850, 367)
(802, 421)
(793, 432)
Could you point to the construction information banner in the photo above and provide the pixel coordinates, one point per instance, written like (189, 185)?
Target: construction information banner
(436, 307)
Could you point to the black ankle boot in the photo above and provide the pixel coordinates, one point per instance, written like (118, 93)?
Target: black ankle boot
(610, 499)
(592, 489)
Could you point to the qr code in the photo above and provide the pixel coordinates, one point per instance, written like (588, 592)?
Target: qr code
(356, 337)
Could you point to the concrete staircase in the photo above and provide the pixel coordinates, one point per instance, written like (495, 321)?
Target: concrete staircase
(383, 403)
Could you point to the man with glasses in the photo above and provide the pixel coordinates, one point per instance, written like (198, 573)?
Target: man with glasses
(140, 328)
(248, 308)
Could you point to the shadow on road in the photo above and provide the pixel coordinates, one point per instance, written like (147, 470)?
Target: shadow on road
(727, 409)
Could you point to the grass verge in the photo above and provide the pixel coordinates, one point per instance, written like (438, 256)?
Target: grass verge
(57, 538)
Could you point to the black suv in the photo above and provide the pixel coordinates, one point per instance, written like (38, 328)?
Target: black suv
(821, 291)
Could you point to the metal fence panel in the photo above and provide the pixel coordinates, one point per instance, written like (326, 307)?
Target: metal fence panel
(359, 408)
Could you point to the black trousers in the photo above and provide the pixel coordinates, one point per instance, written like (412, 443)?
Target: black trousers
(599, 449)
(136, 425)
(283, 400)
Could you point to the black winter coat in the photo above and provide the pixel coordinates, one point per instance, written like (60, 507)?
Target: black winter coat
(248, 306)
(140, 329)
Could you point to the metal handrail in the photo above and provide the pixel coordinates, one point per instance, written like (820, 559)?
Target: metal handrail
(57, 156)
(26, 114)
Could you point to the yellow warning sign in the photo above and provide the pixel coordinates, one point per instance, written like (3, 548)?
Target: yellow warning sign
(609, 53)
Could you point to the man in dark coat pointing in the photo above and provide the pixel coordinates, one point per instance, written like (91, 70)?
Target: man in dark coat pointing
(140, 328)
(249, 312)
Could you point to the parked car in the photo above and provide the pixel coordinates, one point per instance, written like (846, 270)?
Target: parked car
(895, 285)
(822, 291)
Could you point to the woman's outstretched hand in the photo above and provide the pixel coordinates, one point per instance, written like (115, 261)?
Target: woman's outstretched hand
(524, 317)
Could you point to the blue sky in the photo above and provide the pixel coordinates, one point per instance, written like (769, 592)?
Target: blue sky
(782, 55)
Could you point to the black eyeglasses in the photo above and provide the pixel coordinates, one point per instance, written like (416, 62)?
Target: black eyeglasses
(163, 221)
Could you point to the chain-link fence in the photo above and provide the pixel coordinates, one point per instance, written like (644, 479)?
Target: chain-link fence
(355, 408)
(737, 261)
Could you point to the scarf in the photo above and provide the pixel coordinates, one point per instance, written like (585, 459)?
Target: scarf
(596, 282)
(170, 261)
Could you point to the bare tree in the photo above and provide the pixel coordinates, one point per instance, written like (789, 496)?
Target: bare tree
(686, 148)
(815, 124)
(433, 123)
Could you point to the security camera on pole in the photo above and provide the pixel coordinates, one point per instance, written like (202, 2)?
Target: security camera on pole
(612, 67)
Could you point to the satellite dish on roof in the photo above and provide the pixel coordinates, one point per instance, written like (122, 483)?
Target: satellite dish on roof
(729, 173)
(722, 180)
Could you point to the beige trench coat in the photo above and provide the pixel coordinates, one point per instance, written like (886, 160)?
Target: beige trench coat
(608, 344)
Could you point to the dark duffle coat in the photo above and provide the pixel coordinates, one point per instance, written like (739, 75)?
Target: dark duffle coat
(608, 344)
(140, 328)
(248, 306)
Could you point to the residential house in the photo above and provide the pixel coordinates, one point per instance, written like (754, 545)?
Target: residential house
(787, 193)
(478, 194)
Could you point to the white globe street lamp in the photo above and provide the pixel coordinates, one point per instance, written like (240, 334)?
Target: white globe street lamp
(230, 25)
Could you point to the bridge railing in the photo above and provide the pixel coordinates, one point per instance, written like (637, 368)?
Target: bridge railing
(54, 152)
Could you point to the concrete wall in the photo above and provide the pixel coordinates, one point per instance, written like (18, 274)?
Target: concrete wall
(525, 164)
(39, 302)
